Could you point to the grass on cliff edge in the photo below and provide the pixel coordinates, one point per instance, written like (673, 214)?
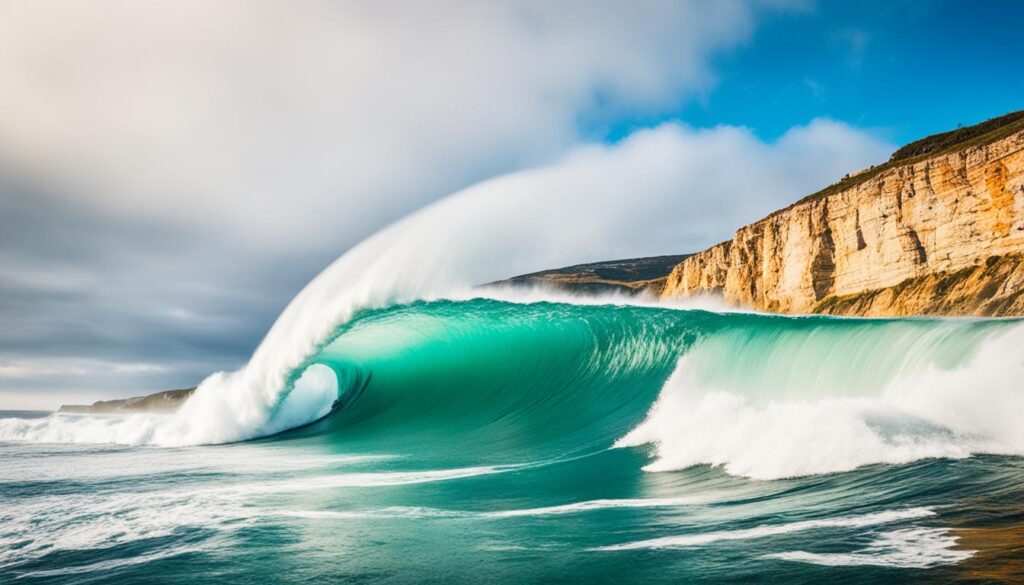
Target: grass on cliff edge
(935, 145)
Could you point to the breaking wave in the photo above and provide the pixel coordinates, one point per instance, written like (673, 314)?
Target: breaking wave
(511, 382)
(393, 343)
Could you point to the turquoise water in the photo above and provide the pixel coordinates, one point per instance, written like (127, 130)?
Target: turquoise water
(491, 442)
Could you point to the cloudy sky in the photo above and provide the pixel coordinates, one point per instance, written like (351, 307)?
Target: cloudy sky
(173, 172)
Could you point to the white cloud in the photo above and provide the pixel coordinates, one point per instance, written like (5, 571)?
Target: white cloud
(291, 123)
(38, 367)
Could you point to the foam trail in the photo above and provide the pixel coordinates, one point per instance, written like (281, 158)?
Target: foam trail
(593, 505)
(690, 540)
(911, 548)
(565, 509)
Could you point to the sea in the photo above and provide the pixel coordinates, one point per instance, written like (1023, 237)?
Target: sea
(482, 440)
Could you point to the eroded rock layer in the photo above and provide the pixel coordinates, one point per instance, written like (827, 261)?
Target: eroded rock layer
(939, 234)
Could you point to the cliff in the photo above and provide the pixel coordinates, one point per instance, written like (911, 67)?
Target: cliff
(166, 401)
(938, 230)
(632, 276)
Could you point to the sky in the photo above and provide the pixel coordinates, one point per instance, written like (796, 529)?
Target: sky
(172, 173)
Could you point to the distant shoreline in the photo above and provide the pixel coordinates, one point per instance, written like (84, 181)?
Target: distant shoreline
(165, 401)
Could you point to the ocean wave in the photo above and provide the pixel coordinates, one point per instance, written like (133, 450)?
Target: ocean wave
(829, 401)
(485, 383)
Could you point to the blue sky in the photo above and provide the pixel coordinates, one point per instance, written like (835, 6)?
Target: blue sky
(905, 69)
(173, 172)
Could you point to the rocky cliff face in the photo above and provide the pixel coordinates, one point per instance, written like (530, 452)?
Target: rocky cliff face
(935, 234)
(166, 401)
(629, 276)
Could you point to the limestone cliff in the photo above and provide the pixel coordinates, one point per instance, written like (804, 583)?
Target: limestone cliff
(937, 230)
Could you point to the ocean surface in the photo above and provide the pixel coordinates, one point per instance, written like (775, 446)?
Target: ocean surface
(489, 441)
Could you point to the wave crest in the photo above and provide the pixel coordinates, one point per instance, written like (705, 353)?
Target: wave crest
(831, 401)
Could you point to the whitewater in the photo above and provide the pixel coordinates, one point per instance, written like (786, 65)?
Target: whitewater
(400, 422)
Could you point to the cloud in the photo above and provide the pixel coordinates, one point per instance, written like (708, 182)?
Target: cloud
(855, 42)
(67, 368)
(286, 124)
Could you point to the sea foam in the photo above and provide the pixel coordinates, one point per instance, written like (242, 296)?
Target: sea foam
(828, 403)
